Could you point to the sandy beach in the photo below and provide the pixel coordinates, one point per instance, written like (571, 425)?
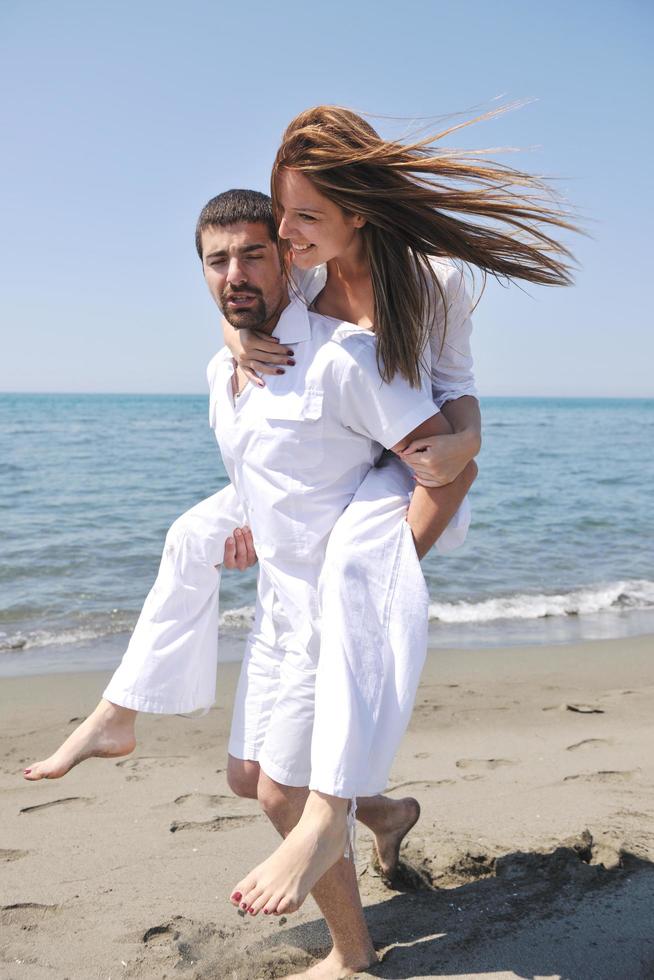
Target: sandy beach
(533, 857)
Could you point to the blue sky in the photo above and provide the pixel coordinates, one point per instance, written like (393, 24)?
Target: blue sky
(121, 119)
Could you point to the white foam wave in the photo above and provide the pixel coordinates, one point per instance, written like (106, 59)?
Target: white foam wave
(634, 594)
(237, 619)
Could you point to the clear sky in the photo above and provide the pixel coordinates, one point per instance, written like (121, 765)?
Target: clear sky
(120, 119)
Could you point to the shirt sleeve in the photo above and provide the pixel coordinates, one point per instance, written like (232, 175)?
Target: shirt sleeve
(451, 356)
(384, 411)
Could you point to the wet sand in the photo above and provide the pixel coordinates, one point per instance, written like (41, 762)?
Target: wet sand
(533, 857)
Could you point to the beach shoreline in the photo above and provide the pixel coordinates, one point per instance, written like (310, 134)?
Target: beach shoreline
(533, 855)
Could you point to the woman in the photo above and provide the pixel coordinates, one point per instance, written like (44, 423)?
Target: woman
(369, 210)
(375, 219)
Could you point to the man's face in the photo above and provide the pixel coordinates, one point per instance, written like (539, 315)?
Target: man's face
(242, 270)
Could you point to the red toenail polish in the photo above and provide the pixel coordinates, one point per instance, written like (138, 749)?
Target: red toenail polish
(237, 896)
(266, 912)
(26, 772)
(244, 905)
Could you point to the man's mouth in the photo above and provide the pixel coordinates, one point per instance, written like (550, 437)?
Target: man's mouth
(241, 300)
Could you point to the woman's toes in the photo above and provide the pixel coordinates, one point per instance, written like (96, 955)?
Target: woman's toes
(258, 904)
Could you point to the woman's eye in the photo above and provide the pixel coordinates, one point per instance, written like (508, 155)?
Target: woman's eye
(306, 217)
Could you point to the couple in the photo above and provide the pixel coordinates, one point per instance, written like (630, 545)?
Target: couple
(377, 324)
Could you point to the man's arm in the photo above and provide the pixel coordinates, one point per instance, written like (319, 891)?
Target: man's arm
(438, 461)
(432, 508)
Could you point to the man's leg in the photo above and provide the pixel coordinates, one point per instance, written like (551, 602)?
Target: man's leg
(336, 893)
(170, 663)
(374, 639)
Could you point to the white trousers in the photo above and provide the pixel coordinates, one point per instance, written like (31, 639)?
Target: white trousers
(330, 714)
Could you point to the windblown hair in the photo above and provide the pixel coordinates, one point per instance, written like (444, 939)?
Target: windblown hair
(232, 207)
(418, 201)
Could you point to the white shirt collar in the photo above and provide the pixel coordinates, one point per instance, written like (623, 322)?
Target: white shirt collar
(293, 325)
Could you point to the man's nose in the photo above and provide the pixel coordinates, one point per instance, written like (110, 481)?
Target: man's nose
(235, 271)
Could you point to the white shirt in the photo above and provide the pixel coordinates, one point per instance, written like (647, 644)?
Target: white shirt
(451, 358)
(297, 450)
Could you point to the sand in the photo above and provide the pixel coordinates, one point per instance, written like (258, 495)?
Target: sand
(533, 856)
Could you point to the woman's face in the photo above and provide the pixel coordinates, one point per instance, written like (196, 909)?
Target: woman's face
(317, 229)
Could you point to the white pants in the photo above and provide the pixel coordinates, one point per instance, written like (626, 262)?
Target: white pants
(327, 715)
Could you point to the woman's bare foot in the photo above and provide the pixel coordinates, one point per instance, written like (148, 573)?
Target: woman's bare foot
(282, 882)
(334, 967)
(106, 733)
(391, 830)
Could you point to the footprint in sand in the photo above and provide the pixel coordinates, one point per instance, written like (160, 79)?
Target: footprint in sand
(588, 743)
(420, 784)
(140, 767)
(483, 763)
(208, 799)
(7, 854)
(604, 776)
(230, 822)
(26, 915)
(64, 800)
(583, 709)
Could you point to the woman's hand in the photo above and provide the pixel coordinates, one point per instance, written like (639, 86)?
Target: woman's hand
(257, 353)
(438, 460)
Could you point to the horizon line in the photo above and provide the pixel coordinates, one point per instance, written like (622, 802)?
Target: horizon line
(199, 394)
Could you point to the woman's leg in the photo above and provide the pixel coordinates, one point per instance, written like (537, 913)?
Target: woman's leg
(170, 663)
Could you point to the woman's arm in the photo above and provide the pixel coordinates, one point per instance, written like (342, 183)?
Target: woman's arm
(256, 353)
(437, 461)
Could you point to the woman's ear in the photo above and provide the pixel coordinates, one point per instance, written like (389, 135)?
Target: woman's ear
(359, 220)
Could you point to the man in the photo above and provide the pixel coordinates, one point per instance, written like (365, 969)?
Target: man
(296, 451)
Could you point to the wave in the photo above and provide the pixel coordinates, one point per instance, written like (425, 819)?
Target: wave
(614, 596)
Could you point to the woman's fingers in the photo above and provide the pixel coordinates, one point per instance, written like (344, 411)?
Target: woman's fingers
(253, 377)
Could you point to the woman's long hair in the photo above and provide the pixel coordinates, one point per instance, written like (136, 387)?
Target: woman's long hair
(416, 200)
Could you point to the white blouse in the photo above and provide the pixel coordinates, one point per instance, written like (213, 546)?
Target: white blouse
(451, 362)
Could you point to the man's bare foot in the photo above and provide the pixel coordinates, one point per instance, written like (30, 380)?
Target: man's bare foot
(106, 733)
(334, 967)
(389, 833)
(282, 882)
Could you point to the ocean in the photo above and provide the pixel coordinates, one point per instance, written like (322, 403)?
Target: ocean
(561, 546)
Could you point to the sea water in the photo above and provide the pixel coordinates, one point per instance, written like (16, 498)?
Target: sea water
(561, 545)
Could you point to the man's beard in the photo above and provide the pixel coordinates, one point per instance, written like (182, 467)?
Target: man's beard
(252, 318)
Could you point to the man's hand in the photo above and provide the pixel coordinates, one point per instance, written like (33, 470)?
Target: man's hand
(239, 550)
(438, 460)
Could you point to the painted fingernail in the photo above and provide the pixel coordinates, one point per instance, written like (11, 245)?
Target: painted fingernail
(292, 363)
(280, 371)
(290, 353)
(237, 896)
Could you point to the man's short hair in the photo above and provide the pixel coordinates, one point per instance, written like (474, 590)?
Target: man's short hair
(232, 207)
